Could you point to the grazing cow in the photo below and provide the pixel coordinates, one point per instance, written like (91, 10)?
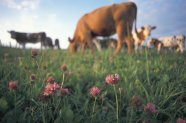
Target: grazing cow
(169, 42)
(57, 44)
(156, 43)
(23, 38)
(105, 43)
(48, 43)
(106, 21)
(141, 36)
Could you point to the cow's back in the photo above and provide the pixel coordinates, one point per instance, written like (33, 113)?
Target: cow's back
(168, 41)
(20, 37)
(102, 21)
(99, 22)
(124, 12)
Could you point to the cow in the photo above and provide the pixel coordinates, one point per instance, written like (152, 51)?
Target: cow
(23, 38)
(106, 21)
(142, 35)
(57, 44)
(48, 43)
(172, 42)
(156, 43)
(105, 43)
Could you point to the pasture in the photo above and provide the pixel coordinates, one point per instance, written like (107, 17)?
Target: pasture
(151, 89)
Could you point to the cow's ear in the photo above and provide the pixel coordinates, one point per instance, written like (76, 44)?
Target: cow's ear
(154, 27)
(70, 40)
(142, 27)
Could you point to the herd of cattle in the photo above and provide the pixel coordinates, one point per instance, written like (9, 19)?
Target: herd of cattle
(176, 43)
(23, 38)
(106, 21)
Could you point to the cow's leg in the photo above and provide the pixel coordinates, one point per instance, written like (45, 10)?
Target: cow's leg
(129, 41)
(82, 48)
(159, 47)
(130, 45)
(140, 47)
(97, 44)
(121, 34)
(128, 38)
(89, 41)
(41, 46)
(91, 45)
(24, 46)
(58, 47)
(136, 46)
(180, 47)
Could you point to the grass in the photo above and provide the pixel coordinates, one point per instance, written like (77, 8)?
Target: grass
(156, 78)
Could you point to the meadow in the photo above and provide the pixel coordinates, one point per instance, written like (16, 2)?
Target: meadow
(151, 87)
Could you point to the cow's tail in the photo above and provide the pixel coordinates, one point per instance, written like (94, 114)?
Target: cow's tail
(135, 19)
(184, 42)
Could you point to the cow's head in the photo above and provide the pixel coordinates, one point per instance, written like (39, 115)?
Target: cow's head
(151, 42)
(154, 42)
(12, 33)
(147, 30)
(56, 41)
(72, 45)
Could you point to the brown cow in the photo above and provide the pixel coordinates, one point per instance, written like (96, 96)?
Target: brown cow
(106, 21)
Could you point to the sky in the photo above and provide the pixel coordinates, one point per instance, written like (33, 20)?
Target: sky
(58, 18)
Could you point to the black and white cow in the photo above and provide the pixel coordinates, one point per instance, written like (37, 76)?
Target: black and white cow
(105, 43)
(140, 37)
(23, 38)
(57, 44)
(171, 42)
(48, 43)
